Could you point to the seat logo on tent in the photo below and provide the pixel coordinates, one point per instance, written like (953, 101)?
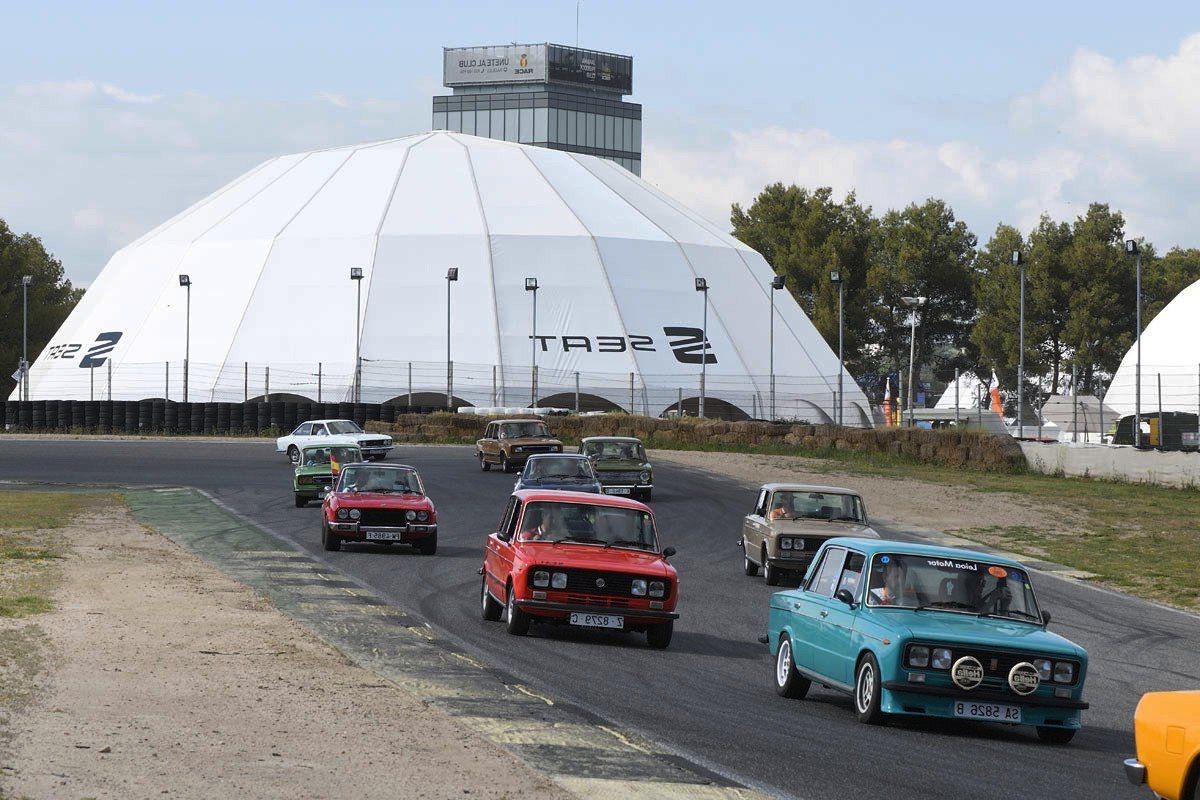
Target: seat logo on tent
(96, 354)
(686, 344)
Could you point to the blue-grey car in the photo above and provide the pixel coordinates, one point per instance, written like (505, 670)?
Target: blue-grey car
(927, 631)
(567, 471)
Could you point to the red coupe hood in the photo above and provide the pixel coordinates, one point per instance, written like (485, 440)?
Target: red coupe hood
(372, 500)
(585, 556)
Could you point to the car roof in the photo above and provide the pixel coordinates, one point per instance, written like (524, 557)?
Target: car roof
(377, 465)
(326, 420)
(805, 487)
(502, 421)
(577, 456)
(586, 498)
(873, 546)
(611, 439)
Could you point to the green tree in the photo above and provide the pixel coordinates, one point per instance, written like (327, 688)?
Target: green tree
(51, 295)
(1166, 277)
(996, 332)
(803, 235)
(923, 251)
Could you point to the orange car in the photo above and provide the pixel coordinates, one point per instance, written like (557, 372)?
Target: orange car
(1166, 727)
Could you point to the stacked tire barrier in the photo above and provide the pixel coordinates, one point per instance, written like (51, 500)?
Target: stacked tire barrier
(158, 416)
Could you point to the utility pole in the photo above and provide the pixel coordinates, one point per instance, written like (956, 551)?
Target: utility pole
(356, 275)
(186, 283)
(702, 286)
(531, 285)
(451, 277)
(777, 283)
(1131, 247)
(835, 276)
(26, 282)
(1020, 264)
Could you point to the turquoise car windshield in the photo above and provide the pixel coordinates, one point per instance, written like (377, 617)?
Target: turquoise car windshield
(955, 585)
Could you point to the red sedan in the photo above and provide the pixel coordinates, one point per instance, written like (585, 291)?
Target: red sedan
(381, 504)
(587, 560)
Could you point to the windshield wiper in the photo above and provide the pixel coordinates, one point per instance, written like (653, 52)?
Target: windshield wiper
(947, 604)
(592, 539)
(628, 543)
(1005, 614)
(844, 519)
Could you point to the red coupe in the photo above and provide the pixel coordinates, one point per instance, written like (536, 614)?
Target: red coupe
(587, 560)
(381, 504)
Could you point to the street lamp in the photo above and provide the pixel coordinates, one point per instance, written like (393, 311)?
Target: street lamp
(776, 284)
(913, 303)
(702, 286)
(531, 285)
(26, 282)
(186, 283)
(451, 277)
(835, 276)
(1020, 264)
(1131, 248)
(356, 275)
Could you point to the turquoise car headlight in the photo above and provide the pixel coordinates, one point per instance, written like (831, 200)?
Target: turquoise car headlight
(1064, 672)
(1043, 666)
(558, 580)
(541, 578)
(639, 588)
(657, 589)
(942, 658)
(918, 656)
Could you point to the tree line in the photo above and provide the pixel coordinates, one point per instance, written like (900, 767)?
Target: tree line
(1079, 285)
(51, 297)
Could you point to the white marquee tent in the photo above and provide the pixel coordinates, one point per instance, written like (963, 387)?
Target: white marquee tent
(273, 308)
(1170, 353)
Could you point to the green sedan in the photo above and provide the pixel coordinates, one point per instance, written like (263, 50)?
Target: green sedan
(319, 466)
(620, 463)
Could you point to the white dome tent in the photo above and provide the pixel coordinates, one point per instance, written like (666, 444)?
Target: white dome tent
(1170, 350)
(272, 307)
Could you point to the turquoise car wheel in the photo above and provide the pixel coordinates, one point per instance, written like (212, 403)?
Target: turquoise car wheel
(867, 691)
(788, 681)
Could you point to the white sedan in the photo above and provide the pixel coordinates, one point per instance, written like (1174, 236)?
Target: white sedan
(329, 431)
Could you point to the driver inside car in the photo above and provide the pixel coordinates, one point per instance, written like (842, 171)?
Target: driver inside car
(535, 525)
(779, 509)
(887, 584)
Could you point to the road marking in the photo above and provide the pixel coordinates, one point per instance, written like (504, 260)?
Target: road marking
(532, 694)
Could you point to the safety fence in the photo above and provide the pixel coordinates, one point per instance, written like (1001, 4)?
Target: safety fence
(413, 385)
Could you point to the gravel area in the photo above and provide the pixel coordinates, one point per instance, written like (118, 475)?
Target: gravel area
(163, 678)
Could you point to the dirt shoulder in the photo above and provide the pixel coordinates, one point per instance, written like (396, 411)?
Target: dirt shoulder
(161, 677)
(905, 501)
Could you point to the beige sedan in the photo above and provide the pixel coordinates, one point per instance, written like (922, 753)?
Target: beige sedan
(790, 522)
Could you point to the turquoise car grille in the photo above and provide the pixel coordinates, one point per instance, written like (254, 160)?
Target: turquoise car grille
(998, 663)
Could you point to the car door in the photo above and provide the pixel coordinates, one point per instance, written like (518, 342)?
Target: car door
(813, 604)
(300, 436)
(754, 527)
(498, 560)
(487, 445)
(837, 655)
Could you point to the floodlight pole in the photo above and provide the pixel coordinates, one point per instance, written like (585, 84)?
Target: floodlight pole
(836, 277)
(451, 277)
(26, 281)
(702, 286)
(913, 304)
(776, 283)
(186, 283)
(1131, 247)
(1020, 264)
(531, 285)
(356, 275)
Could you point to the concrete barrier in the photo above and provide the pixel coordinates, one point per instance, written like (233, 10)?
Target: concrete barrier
(1179, 470)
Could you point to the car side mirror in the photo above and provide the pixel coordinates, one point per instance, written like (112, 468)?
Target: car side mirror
(1045, 617)
(846, 597)
(668, 552)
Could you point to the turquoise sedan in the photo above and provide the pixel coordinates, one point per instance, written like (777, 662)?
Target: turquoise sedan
(911, 629)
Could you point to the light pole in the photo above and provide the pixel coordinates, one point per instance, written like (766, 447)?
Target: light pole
(451, 277)
(1131, 247)
(531, 285)
(1020, 264)
(356, 275)
(835, 276)
(776, 284)
(702, 286)
(913, 303)
(186, 283)
(26, 282)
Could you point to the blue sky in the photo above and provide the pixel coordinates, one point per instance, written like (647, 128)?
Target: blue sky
(115, 116)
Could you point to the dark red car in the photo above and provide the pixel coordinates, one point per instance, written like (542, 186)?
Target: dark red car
(586, 560)
(381, 504)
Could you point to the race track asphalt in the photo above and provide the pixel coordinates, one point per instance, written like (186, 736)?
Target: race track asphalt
(710, 696)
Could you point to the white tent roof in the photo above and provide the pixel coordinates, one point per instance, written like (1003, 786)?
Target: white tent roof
(968, 392)
(1170, 351)
(268, 256)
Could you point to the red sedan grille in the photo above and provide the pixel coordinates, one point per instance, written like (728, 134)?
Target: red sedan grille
(590, 600)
